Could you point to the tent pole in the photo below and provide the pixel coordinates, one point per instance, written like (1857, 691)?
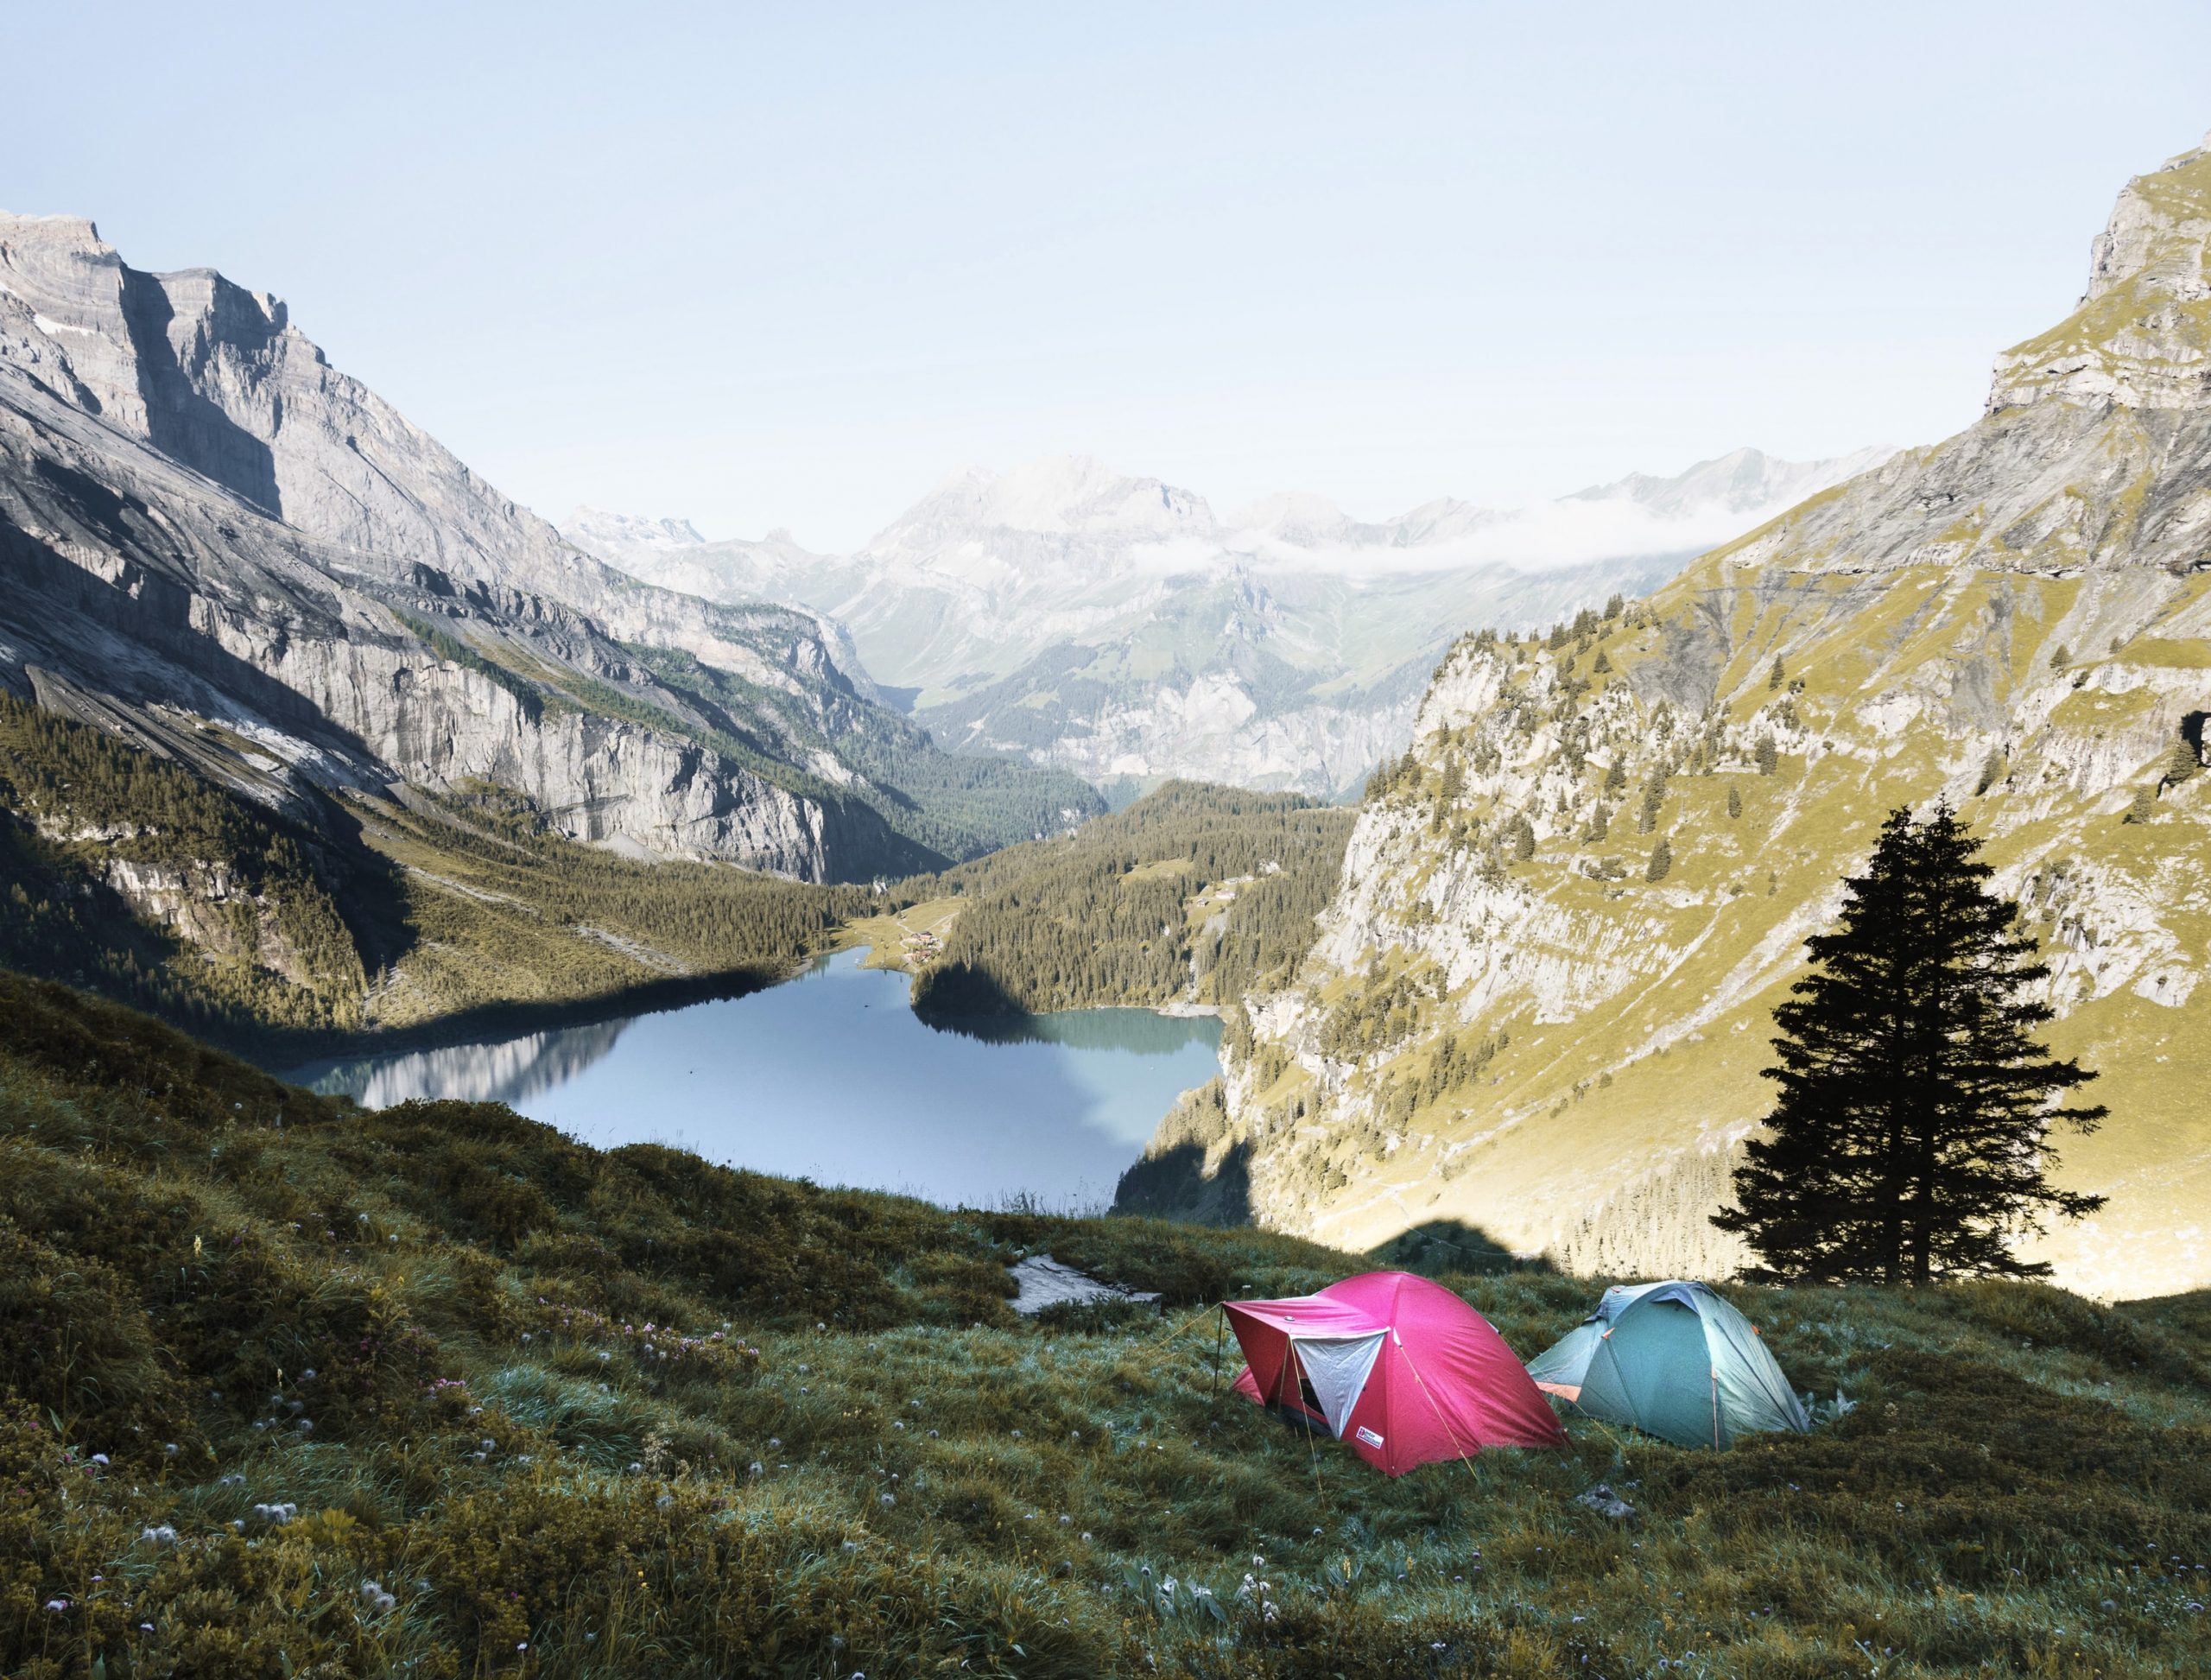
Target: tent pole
(1422, 1384)
(1312, 1447)
(1220, 1330)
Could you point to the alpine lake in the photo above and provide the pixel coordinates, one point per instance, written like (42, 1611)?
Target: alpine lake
(832, 1077)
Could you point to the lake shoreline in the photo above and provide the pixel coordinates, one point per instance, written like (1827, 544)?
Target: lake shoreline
(832, 1077)
(493, 1023)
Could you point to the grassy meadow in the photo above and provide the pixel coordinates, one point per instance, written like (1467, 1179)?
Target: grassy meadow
(288, 1388)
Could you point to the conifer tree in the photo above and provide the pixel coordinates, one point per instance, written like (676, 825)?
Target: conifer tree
(2181, 764)
(1910, 1141)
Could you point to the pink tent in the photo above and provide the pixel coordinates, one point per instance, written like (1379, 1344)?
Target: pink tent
(1398, 1367)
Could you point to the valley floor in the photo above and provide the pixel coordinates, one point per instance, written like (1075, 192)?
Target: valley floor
(294, 1389)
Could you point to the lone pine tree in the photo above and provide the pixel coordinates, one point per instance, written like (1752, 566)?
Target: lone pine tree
(1911, 1138)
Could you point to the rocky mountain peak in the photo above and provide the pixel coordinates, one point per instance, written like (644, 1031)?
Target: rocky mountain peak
(1747, 482)
(2141, 336)
(1056, 496)
(595, 529)
(1294, 516)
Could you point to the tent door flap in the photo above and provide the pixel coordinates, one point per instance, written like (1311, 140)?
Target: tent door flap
(1337, 1368)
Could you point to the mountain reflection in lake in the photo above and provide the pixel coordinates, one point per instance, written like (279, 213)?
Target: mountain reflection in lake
(832, 1077)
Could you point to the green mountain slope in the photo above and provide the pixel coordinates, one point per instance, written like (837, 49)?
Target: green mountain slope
(1193, 895)
(126, 872)
(1515, 1019)
(286, 1387)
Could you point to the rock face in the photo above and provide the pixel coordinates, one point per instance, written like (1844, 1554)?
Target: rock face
(1119, 628)
(1524, 1018)
(238, 556)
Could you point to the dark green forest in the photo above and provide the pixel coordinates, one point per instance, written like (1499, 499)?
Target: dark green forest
(1194, 892)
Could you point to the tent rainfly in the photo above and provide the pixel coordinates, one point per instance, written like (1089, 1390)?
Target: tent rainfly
(1675, 1360)
(1401, 1368)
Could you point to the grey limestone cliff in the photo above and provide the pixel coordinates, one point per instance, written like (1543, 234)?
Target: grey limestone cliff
(239, 557)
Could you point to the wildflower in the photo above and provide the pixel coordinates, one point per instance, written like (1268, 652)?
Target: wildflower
(99, 1458)
(888, 1500)
(1085, 1537)
(664, 1501)
(59, 1605)
(169, 1448)
(758, 1469)
(160, 1534)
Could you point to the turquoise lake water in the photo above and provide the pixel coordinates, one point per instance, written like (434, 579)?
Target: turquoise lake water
(832, 1077)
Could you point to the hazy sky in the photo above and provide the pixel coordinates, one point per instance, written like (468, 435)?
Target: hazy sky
(789, 266)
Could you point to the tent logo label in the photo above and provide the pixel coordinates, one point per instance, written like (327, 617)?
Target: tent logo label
(1368, 1436)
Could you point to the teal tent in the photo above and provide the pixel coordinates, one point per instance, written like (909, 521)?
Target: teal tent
(1674, 1361)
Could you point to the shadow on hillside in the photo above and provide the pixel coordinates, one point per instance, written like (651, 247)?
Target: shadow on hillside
(1450, 1244)
(957, 997)
(285, 1054)
(1174, 1184)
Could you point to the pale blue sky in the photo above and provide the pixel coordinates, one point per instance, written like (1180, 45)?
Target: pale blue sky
(790, 265)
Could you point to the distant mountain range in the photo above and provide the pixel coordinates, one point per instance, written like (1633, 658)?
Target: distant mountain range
(1119, 628)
